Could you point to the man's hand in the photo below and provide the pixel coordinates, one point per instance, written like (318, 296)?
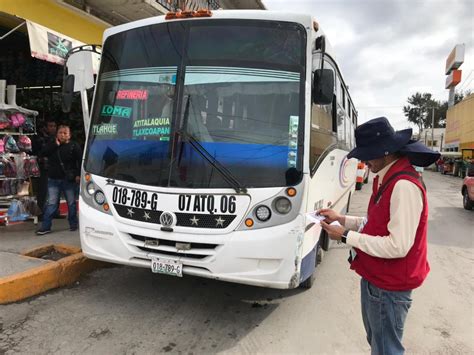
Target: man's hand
(334, 232)
(331, 215)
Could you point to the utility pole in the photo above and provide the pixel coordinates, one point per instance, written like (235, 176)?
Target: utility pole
(432, 127)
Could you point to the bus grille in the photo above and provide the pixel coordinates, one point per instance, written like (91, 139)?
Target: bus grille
(165, 247)
(194, 220)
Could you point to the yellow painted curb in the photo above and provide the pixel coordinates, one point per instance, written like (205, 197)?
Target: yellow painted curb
(45, 277)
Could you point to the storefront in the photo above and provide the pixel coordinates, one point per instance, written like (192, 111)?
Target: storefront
(35, 36)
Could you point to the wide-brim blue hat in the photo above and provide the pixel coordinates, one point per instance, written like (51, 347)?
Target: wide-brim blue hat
(377, 138)
(419, 154)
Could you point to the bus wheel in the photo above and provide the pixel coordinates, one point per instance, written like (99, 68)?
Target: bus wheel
(319, 256)
(358, 185)
(309, 282)
(348, 203)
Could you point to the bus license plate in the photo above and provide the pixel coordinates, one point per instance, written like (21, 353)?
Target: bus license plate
(167, 267)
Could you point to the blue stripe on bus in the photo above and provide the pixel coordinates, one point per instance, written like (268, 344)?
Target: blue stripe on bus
(263, 155)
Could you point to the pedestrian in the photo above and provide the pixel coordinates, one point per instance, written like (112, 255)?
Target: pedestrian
(46, 134)
(64, 170)
(389, 246)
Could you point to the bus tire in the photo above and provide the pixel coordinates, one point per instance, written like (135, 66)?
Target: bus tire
(309, 282)
(358, 186)
(348, 203)
(319, 256)
(324, 240)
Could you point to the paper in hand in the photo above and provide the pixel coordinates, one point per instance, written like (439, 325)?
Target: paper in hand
(314, 217)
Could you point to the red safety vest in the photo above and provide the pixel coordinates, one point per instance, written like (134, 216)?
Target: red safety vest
(399, 274)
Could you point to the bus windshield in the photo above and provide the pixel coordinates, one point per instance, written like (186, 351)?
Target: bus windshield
(235, 86)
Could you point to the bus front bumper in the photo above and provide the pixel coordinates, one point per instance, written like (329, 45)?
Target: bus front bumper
(269, 257)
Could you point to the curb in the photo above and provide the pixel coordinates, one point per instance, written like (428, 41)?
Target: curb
(52, 275)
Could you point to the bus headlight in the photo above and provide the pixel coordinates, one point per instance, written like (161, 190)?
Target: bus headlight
(90, 188)
(282, 205)
(93, 195)
(263, 213)
(99, 197)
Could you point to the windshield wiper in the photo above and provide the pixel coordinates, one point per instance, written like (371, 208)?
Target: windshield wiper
(226, 174)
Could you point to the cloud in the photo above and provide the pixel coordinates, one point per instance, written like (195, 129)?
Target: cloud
(388, 50)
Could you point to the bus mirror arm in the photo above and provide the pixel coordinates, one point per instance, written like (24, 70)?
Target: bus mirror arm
(320, 44)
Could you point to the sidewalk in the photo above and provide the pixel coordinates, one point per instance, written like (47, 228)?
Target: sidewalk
(21, 237)
(32, 264)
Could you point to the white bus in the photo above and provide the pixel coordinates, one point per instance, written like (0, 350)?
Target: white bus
(212, 135)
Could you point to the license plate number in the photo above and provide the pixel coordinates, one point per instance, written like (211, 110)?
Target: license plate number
(167, 267)
(135, 198)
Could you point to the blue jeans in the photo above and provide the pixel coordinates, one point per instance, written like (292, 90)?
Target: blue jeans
(55, 187)
(384, 313)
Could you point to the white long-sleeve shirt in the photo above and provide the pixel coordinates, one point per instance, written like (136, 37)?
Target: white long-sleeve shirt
(406, 205)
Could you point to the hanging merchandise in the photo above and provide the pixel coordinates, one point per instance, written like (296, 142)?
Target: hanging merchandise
(23, 187)
(17, 212)
(24, 143)
(9, 168)
(4, 121)
(16, 165)
(10, 145)
(29, 125)
(30, 167)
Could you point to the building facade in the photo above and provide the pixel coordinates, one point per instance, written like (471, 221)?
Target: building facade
(434, 139)
(460, 127)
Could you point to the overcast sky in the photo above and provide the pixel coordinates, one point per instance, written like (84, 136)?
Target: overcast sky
(388, 50)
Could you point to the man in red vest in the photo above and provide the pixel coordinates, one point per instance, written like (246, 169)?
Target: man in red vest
(389, 246)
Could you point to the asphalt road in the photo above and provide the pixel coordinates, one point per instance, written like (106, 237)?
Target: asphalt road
(124, 310)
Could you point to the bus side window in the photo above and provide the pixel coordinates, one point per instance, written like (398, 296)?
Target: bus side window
(322, 127)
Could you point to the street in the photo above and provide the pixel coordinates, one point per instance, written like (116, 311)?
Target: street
(123, 310)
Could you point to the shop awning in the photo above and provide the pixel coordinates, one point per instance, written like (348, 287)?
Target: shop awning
(49, 45)
(52, 46)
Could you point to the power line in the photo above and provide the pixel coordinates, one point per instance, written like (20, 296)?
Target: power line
(462, 87)
(465, 80)
(376, 107)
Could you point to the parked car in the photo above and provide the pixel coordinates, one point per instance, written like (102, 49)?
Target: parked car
(468, 192)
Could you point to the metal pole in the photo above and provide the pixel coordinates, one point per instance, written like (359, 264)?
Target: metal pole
(85, 111)
(432, 127)
(13, 30)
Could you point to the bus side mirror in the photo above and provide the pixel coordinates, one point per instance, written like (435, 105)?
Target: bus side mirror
(68, 93)
(323, 86)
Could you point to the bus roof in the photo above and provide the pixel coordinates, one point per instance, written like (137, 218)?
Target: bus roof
(305, 19)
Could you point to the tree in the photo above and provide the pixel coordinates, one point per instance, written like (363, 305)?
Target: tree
(419, 110)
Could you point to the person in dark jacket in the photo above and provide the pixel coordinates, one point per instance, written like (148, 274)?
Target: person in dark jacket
(39, 141)
(64, 170)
